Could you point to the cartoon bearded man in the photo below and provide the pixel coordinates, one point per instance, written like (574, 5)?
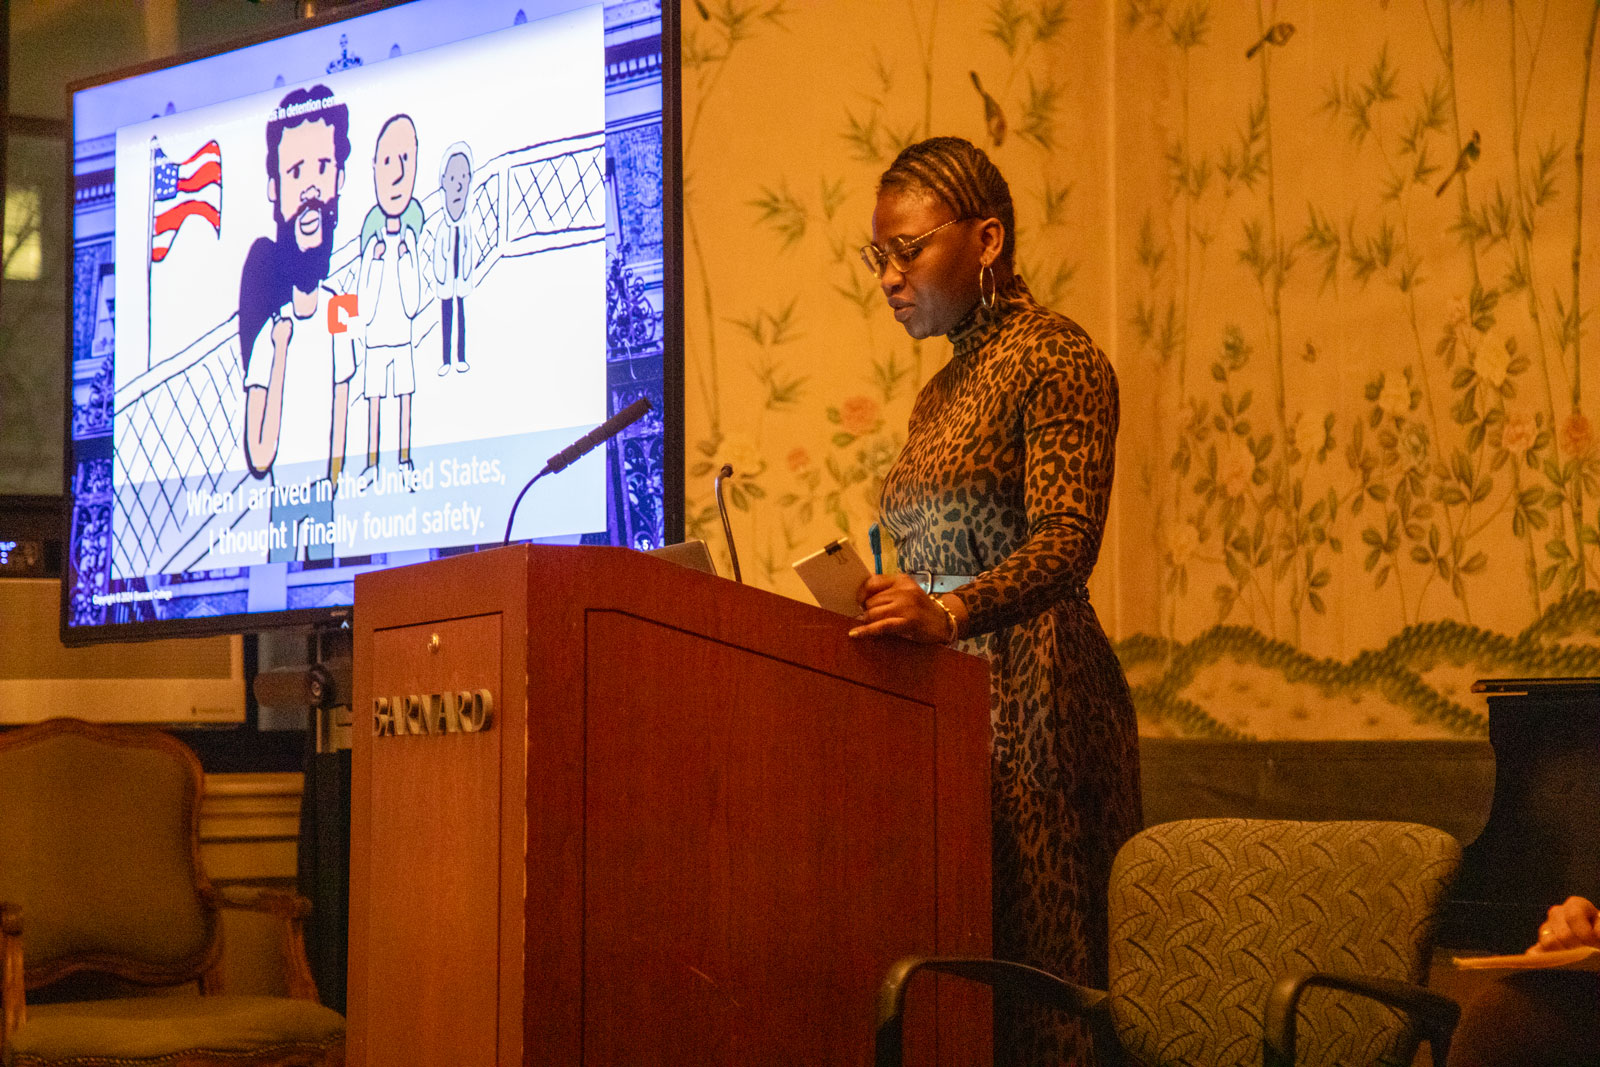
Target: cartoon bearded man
(296, 371)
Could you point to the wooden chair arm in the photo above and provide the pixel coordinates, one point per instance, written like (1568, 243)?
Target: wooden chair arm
(278, 902)
(291, 910)
(13, 1001)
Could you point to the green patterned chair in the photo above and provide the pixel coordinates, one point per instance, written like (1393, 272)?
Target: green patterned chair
(1238, 941)
(109, 932)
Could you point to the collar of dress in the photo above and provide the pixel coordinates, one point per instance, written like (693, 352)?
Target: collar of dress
(981, 323)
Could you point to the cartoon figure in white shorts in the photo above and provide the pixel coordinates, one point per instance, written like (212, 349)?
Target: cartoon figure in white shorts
(389, 284)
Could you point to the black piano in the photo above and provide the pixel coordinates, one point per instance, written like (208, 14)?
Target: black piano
(1541, 843)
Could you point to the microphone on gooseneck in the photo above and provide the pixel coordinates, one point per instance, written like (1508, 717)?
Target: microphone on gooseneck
(606, 430)
(583, 445)
(727, 530)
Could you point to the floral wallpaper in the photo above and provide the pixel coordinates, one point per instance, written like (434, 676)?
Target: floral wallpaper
(1353, 281)
(796, 373)
(1341, 253)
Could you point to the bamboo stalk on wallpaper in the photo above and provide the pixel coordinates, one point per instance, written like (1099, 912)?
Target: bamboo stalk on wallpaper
(925, 54)
(710, 389)
(1465, 153)
(1165, 341)
(732, 24)
(1447, 48)
(1272, 291)
(1190, 194)
(1576, 313)
(1407, 283)
(711, 394)
(1522, 244)
(1452, 521)
(1577, 220)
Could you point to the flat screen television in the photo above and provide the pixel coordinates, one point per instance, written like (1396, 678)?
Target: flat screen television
(338, 293)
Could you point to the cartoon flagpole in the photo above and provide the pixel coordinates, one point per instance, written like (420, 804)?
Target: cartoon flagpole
(150, 255)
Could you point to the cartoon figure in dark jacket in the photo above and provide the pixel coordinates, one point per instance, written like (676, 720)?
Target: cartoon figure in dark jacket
(452, 252)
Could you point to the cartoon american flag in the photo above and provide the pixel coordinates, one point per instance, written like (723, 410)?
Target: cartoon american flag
(181, 191)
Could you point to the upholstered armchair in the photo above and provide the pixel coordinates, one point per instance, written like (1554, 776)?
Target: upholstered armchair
(109, 935)
(1238, 941)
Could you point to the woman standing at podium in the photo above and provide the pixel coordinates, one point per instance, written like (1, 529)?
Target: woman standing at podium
(997, 505)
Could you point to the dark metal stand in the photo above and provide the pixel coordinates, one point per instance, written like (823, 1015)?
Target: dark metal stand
(324, 869)
(324, 846)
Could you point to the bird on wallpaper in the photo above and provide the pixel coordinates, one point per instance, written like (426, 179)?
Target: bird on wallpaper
(993, 117)
(1277, 34)
(1310, 353)
(1469, 155)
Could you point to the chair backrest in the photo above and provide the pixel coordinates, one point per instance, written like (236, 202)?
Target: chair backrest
(99, 844)
(1207, 913)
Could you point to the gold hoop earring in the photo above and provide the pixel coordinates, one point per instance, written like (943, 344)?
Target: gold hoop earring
(986, 295)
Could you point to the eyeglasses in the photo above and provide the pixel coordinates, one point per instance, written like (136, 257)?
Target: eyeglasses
(901, 250)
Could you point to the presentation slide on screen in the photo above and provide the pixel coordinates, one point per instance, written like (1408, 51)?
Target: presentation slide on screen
(382, 292)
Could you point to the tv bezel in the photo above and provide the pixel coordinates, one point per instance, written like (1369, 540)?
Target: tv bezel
(672, 354)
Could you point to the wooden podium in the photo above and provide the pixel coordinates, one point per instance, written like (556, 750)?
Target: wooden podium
(621, 812)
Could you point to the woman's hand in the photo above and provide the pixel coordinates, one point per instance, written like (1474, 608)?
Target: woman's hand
(898, 606)
(1573, 924)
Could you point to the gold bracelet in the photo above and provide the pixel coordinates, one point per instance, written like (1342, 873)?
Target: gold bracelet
(955, 627)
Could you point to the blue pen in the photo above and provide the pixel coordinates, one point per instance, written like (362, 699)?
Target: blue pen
(875, 539)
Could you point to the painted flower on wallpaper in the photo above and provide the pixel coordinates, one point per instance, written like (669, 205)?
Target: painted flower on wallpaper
(1492, 360)
(1458, 322)
(798, 461)
(744, 455)
(1235, 467)
(1518, 433)
(879, 454)
(1577, 435)
(859, 415)
(1395, 397)
(1310, 433)
(1181, 541)
(1414, 447)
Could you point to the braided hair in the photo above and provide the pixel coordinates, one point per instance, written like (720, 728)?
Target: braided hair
(958, 173)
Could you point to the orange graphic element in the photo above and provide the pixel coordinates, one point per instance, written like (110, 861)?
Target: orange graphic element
(342, 307)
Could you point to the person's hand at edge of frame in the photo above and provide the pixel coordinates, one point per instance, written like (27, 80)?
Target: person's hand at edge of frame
(1574, 923)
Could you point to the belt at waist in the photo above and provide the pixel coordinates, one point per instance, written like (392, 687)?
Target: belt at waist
(934, 584)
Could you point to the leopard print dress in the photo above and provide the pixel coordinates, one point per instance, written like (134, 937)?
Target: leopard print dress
(1006, 474)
